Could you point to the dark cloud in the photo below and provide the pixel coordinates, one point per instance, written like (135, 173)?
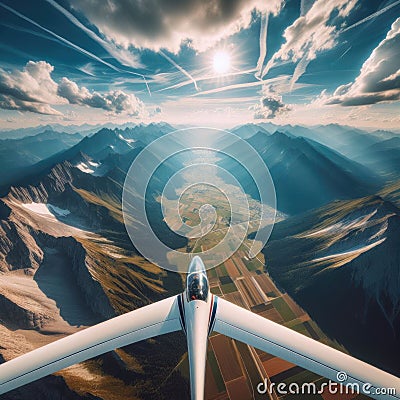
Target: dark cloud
(8, 103)
(270, 107)
(159, 24)
(379, 78)
(155, 111)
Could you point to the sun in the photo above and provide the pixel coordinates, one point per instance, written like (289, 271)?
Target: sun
(221, 62)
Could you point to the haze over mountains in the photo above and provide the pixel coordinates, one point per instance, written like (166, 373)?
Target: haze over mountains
(84, 130)
(18, 154)
(336, 253)
(307, 174)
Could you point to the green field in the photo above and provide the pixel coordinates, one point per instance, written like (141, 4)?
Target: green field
(253, 265)
(222, 270)
(229, 288)
(216, 290)
(283, 309)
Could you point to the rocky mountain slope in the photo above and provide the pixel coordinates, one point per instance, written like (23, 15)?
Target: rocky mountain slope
(67, 220)
(342, 264)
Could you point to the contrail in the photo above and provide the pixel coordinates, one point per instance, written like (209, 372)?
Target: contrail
(263, 44)
(269, 65)
(205, 78)
(241, 86)
(111, 49)
(345, 52)
(169, 59)
(372, 16)
(73, 45)
(305, 7)
(299, 71)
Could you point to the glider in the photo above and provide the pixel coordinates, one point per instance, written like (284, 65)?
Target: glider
(198, 313)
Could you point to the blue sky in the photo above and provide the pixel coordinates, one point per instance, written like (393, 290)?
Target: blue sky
(204, 62)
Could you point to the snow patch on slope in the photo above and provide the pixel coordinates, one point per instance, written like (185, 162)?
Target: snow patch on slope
(355, 251)
(46, 209)
(54, 220)
(342, 226)
(89, 167)
(129, 141)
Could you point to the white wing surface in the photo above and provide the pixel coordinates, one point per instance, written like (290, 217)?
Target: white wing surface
(245, 326)
(146, 322)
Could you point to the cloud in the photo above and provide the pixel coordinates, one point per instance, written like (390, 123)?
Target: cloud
(379, 78)
(157, 24)
(305, 6)
(33, 89)
(116, 102)
(70, 116)
(271, 106)
(263, 44)
(312, 32)
(300, 69)
(155, 111)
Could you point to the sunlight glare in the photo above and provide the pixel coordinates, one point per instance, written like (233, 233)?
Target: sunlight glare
(221, 62)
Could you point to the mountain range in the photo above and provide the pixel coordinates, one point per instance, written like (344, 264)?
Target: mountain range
(16, 155)
(66, 260)
(306, 174)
